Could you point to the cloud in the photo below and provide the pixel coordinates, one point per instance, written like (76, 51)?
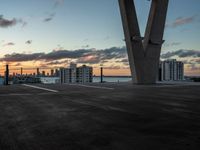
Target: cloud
(24, 23)
(28, 42)
(172, 44)
(58, 2)
(17, 64)
(175, 43)
(49, 18)
(125, 60)
(4, 23)
(62, 54)
(57, 62)
(15, 57)
(90, 59)
(181, 54)
(115, 67)
(9, 44)
(182, 21)
(85, 46)
(194, 67)
(91, 56)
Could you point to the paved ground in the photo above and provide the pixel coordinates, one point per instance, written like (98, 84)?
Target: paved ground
(112, 117)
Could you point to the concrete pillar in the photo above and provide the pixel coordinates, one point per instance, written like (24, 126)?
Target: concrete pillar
(144, 52)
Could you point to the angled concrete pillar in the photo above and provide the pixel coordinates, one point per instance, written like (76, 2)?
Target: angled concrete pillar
(144, 52)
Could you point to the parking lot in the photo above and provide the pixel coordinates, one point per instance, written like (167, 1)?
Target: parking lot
(118, 116)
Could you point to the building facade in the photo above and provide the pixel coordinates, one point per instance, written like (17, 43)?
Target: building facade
(171, 70)
(84, 74)
(74, 74)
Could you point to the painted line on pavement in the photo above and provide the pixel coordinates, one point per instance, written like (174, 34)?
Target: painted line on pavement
(40, 88)
(91, 86)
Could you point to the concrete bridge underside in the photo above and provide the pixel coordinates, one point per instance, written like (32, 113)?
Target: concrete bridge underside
(144, 52)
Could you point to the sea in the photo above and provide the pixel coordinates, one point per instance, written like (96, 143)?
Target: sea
(112, 79)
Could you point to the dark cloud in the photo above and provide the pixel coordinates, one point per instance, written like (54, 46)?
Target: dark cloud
(15, 57)
(4, 23)
(49, 18)
(28, 42)
(62, 54)
(112, 53)
(91, 56)
(181, 54)
(9, 44)
(58, 62)
(182, 21)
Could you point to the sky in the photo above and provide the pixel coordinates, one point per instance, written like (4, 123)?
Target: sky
(53, 33)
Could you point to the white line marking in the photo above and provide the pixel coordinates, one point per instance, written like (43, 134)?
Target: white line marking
(41, 88)
(90, 86)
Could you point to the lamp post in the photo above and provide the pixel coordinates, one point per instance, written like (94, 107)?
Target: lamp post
(101, 72)
(7, 74)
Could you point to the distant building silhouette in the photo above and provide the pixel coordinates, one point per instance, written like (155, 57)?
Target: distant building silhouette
(52, 72)
(38, 72)
(43, 73)
(57, 73)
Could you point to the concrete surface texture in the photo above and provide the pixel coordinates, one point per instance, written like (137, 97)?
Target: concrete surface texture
(144, 52)
(100, 117)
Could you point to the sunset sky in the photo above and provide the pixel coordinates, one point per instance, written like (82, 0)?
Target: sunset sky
(53, 33)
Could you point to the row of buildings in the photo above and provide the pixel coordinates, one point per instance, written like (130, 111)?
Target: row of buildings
(169, 70)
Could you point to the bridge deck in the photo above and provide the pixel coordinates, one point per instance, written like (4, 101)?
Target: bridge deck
(115, 116)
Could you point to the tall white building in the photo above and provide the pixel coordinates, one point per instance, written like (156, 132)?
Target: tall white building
(84, 74)
(74, 74)
(171, 70)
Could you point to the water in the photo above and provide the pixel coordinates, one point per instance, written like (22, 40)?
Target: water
(112, 79)
(1, 81)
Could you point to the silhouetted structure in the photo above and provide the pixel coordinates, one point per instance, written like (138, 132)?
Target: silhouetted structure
(7, 74)
(101, 74)
(38, 72)
(144, 52)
